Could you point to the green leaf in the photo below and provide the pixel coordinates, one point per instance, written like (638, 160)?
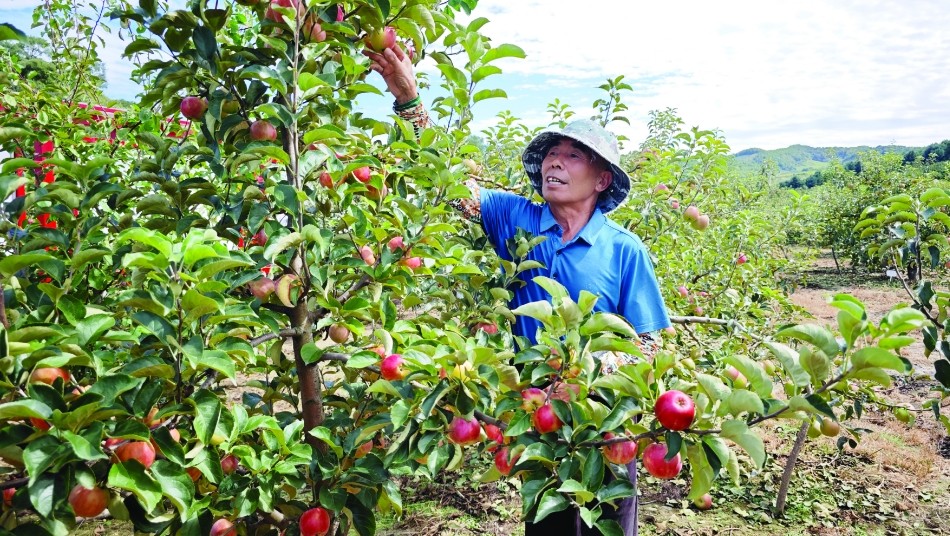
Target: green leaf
(157, 325)
(880, 358)
(757, 377)
(816, 363)
(174, 484)
(601, 322)
(903, 320)
(12, 264)
(744, 401)
(146, 237)
(539, 310)
(132, 476)
(207, 414)
(714, 387)
(551, 502)
(789, 359)
(581, 493)
(813, 334)
(24, 409)
(82, 448)
(92, 327)
(738, 432)
(503, 51)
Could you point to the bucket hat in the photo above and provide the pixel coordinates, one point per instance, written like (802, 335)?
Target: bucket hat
(594, 137)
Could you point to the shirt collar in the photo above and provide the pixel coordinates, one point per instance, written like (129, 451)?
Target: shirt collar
(588, 233)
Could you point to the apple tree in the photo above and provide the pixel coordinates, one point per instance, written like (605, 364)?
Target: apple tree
(247, 222)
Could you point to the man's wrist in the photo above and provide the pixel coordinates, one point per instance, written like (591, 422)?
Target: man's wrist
(402, 105)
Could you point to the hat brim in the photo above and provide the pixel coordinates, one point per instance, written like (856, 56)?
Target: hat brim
(611, 198)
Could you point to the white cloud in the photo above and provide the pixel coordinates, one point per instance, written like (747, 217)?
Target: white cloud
(771, 74)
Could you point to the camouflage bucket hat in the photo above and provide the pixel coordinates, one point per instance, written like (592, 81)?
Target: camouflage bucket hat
(592, 136)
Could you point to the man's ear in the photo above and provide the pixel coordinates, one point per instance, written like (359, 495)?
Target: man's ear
(604, 180)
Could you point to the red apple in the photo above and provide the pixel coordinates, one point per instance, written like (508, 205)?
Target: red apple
(340, 15)
(362, 174)
(683, 292)
(392, 368)
(314, 522)
(259, 238)
(738, 380)
(262, 130)
(339, 333)
(504, 462)
(488, 327)
(48, 375)
(40, 424)
(619, 453)
(660, 188)
(378, 350)
(8, 496)
(223, 527)
(366, 253)
(140, 451)
(375, 193)
(675, 204)
(704, 502)
(691, 213)
(495, 436)
(194, 473)
(675, 410)
(262, 288)
(88, 502)
(701, 223)
(412, 263)
(193, 107)
(545, 420)
(742, 259)
(381, 39)
(464, 432)
(326, 180)
(655, 462)
(532, 398)
(229, 464)
(313, 30)
(396, 243)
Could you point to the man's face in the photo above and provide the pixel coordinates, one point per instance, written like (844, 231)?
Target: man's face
(569, 177)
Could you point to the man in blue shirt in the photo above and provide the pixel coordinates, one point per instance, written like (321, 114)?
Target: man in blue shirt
(576, 171)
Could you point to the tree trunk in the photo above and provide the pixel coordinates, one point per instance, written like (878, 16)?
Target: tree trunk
(790, 468)
(311, 382)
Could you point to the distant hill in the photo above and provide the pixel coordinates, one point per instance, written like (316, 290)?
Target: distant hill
(802, 160)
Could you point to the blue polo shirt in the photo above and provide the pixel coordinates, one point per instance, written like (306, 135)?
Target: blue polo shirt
(603, 259)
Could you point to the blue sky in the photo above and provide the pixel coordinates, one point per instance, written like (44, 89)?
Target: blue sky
(765, 73)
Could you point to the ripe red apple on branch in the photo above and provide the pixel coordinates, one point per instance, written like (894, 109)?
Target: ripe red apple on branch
(223, 527)
(495, 437)
(620, 453)
(48, 375)
(315, 522)
(545, 420)
(532, 398)
(381, 39)
(393, 368)
(464, 431)
(229, 464)
(655, 462)
(362, 174)
(141, 451)
(675, 410)
(262, 288)
(504, 461)
(88, 502)
(193, 107)
(263, 130)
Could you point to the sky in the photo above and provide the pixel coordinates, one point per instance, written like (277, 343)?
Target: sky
(764, 73)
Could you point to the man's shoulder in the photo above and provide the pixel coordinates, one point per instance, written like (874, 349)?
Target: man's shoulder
(622, 237)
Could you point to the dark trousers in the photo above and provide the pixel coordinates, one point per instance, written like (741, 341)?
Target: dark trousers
(568, 522)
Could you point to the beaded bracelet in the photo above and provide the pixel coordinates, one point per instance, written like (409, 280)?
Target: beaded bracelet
(406, 105)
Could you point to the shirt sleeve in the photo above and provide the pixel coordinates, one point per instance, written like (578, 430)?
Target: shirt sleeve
(641, 302)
